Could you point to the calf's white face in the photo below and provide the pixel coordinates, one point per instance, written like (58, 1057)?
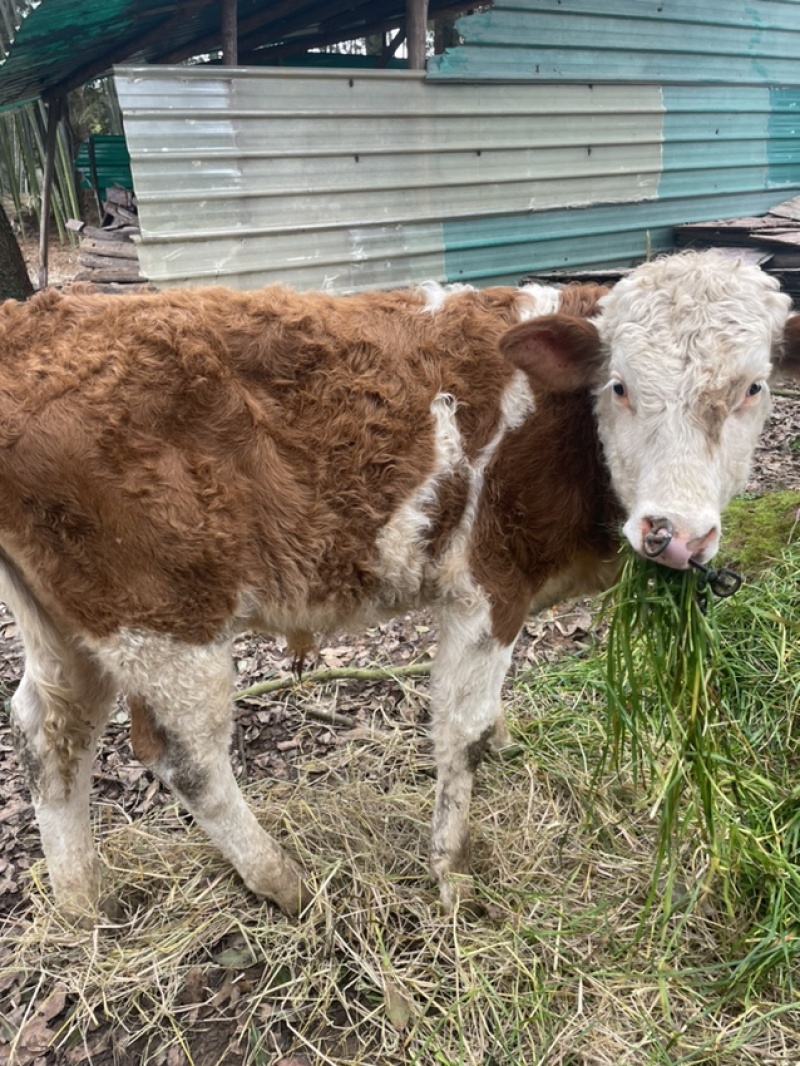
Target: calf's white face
(687, 344)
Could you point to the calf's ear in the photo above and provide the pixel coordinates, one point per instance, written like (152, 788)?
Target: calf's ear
(790, 360)
(559, 353)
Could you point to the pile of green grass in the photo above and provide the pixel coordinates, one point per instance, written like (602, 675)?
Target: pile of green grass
(704, 715)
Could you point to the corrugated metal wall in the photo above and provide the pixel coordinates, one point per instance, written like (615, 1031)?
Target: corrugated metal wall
(348, 181)
(736, 42)
(351, 180)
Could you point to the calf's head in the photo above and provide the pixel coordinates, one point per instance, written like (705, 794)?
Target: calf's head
(679, 360)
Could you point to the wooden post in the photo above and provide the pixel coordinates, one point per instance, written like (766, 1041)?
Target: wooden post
(416, 25)
(95, 179)
(230, 33)
(54, 108)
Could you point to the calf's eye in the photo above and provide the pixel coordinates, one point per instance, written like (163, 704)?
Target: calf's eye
(754, 389)
(618, 388)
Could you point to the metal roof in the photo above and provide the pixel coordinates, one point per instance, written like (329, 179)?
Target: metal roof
(50, 46)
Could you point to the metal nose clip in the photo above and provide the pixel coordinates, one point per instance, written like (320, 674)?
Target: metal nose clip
(723, 582)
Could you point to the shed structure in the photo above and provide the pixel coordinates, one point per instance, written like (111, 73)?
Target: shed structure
(559, 134)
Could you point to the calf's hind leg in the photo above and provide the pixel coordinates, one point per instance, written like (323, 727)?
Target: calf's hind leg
(180, 699)
(57, 714)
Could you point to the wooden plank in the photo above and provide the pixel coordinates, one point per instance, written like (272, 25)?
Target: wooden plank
(116, 249)
(734, 231)
(115, 287)
(756, 256)
(115, 194)
(789, 238)
(126, 267)
(601, 276)
(106, 276)
(787, 209)
(784, 259)
(123, 214)
(110, 233)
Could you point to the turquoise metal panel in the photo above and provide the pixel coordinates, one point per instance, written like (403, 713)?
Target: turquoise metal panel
(742, 41)
(715, 141)
(727, 73)
(783, 136)
(496, 251)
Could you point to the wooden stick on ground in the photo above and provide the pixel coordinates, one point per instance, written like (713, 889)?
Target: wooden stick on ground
(339, 673)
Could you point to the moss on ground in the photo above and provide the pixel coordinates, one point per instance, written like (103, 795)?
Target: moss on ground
(758, 528)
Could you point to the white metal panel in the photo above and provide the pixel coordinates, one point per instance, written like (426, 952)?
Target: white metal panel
(346, 180)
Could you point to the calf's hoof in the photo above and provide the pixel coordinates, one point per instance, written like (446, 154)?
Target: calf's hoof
(295, 902)
(500, 738)
(85, 913)
(83, 897)
(285, 887)
(457, 892)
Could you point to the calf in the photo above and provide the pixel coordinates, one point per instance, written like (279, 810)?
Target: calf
(177, 468)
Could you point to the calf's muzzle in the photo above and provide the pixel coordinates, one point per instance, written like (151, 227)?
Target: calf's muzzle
(661, 541)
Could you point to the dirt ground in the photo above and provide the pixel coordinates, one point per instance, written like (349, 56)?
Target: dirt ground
(269, 734)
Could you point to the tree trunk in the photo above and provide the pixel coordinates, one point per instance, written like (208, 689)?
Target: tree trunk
(14, 281)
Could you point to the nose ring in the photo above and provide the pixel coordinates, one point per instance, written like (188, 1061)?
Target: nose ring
(656, 541)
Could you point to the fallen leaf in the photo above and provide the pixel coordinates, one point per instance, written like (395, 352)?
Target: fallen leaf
(235, 958)
(36, 1035)
(399, 1007)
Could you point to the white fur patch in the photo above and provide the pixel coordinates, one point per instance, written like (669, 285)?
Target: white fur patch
(403, 561)
(536, 300)
(168, 673)
(436, 294)
(468, 673)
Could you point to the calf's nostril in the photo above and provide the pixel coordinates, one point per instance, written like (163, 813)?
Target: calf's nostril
(697, 545)
(656, 535)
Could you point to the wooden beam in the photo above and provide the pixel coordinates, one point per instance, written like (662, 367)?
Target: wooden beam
(416, 27)
(54, 108)
(265, 17)
(344, 22)
(392, 47)
(264, 37)
(230, 54)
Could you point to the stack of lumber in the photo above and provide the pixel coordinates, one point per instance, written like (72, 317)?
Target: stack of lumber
(108, 254)
(771, 240)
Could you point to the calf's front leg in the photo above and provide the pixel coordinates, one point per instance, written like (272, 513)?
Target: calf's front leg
(466, 681)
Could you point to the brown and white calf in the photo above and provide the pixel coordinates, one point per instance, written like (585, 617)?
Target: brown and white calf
(177, 468)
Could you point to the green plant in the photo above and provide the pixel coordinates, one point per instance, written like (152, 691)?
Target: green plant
(703, 704)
